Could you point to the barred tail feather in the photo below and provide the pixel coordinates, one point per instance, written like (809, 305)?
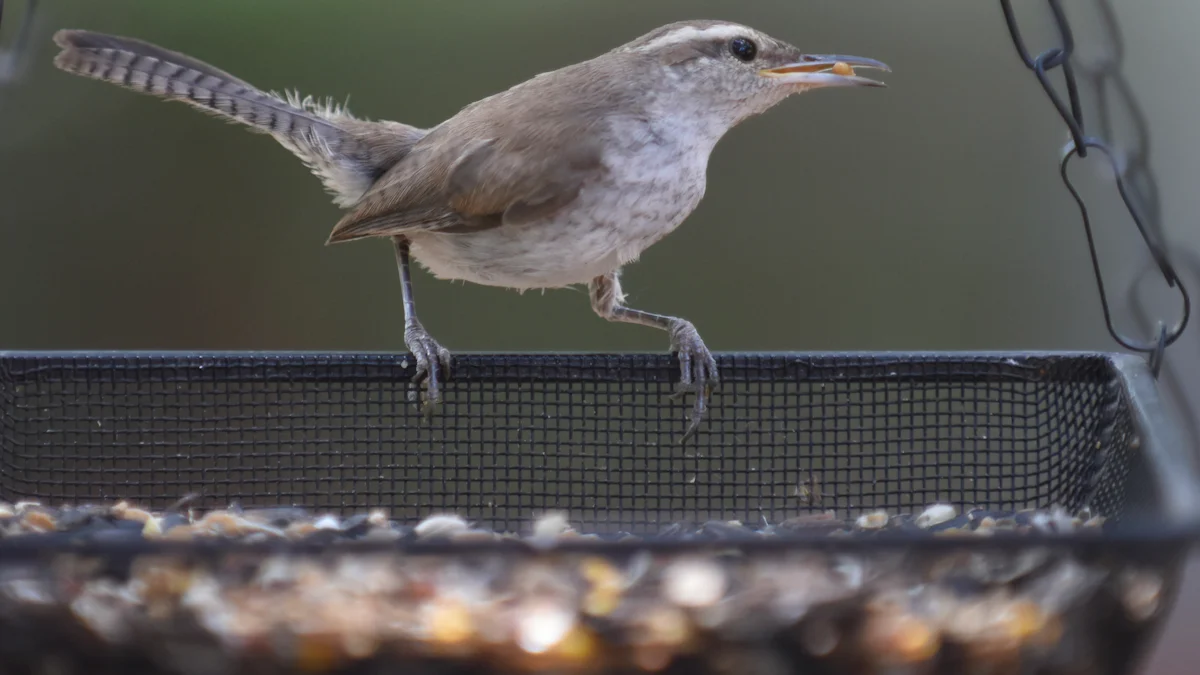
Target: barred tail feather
(149, 69)
(325, 137)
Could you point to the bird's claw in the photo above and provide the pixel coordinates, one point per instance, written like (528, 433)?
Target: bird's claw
(698, 373)
(433, 365)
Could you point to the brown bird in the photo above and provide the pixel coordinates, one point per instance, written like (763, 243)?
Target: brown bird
(557, 181)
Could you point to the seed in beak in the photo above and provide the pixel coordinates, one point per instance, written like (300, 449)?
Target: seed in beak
(842, 68)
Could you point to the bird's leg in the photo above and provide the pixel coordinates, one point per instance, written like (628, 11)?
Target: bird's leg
(433, 360)
(698, 369)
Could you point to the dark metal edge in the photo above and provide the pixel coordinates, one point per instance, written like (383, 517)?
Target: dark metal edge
(1146, 541)
(26, 366)
(1171, 459)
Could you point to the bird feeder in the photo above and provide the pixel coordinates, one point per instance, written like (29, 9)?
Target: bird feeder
(939, 513)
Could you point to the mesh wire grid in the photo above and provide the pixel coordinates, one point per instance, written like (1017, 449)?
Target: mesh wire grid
(593, 435)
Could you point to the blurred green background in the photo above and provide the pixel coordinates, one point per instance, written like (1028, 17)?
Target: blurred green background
(928, 215)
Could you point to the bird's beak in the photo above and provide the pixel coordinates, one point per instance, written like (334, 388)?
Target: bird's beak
(826, 70)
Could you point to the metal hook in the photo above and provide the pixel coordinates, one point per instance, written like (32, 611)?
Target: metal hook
(1160, 258)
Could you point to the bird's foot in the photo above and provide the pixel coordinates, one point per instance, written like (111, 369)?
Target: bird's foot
(698, 372)
(433, 365)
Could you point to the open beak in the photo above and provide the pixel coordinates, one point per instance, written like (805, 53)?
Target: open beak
(826, 70)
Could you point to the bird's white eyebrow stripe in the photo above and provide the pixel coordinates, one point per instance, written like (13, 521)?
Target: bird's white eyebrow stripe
(689, 33)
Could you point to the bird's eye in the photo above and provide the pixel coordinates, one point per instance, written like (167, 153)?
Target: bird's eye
(743, 49)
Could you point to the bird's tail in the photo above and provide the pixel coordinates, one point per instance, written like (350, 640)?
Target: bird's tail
(348, 154)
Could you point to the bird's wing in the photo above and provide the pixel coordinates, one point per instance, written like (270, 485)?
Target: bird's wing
(476, 177)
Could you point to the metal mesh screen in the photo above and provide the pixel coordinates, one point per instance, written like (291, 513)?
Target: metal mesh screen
(592, 435)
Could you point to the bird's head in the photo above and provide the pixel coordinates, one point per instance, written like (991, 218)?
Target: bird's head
(736, 70)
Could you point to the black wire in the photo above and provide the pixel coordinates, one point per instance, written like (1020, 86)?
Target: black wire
(1135, 182)
(13, 59)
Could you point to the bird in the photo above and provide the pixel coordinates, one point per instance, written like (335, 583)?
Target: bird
(559, 181)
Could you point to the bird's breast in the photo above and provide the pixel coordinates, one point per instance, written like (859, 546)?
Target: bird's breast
(647, 192)
(648, 188)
